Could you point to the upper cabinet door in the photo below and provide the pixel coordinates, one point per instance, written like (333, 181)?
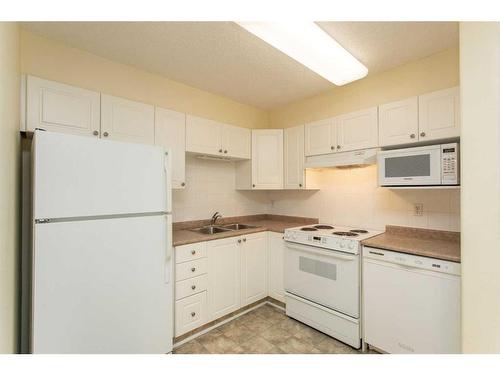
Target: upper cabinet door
(267, 159)
(320, 137)
(170, 132)
(127, 120)
(294, 157)
(236, 142)
(439, 114)
(398, 122)
(357, 130)
(203, 136)
(61, 108)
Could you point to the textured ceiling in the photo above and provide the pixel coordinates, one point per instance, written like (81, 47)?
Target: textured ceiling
(223, 58)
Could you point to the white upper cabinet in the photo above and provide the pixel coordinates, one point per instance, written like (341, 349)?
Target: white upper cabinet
(265, 170)
(439, 114)
(294, 158)
(357, 130)
(170, 132)
(236, 141)
(398, 122)
(210, 137)
(203, 136)
(223, 276)
(253, 267)
(127, 120)
(61, 108)
(320, 137)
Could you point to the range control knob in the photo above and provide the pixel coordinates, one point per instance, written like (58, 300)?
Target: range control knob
(351, 245)
(342, 244)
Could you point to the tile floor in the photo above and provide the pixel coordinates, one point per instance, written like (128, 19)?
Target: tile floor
(265, 330)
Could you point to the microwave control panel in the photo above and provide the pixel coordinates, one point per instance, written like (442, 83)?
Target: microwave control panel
(449, 164)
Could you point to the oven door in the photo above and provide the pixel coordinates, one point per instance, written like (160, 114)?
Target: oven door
(412, 166)
(326, 277)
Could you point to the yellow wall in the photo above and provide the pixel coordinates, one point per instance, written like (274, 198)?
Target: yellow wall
(480, 198)
(55, 61)
(432, 73)
(9, 184)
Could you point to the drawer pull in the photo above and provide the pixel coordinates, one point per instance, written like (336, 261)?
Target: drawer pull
(193, 287)
(193, 314)
(193, 252)
(193, 269)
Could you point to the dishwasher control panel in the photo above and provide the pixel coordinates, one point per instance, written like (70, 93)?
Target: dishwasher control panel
(412, 261)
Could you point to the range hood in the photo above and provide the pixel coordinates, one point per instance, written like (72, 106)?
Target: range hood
(342, 159)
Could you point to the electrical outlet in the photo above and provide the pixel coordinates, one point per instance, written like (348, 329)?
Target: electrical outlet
(418, 209)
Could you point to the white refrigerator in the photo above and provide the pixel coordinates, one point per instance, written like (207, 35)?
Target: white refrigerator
(102, 242)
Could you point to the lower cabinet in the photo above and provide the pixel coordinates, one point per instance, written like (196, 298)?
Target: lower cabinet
(253, 268)
(276, 261)
(223, 276)
(216, 278)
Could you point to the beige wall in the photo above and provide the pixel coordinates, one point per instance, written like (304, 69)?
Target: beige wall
(435, 72)
(480, 148)
(9, 186)
(55, 61)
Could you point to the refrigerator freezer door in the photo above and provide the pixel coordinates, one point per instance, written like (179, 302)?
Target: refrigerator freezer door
(78, 176)
(102, 286)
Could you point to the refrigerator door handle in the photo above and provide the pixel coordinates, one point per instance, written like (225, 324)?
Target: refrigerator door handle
(168, 251)
(167, 163)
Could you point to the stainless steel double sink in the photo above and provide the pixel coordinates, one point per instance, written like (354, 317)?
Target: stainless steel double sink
(214, 229)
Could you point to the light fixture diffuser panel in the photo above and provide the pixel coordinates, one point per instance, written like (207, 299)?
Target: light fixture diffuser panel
(309, 45)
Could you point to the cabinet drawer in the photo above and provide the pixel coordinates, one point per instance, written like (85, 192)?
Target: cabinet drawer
(190, 313)
(190, 269)
(189, 252)
(190, 286)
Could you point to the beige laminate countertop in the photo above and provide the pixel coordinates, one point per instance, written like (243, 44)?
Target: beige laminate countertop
(274, 223)
(424, 242)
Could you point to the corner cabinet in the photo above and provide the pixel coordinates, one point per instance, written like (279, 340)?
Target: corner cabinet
(265, 170)
(170, 132)
(294, 173)
(127, 120)
(62, 108)
(208, 137)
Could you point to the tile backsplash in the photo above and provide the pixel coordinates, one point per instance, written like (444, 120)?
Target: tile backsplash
(346, 197)
(210, 187)
(351, 197)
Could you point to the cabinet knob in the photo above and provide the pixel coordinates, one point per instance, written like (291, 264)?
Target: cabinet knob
(183, 184)
(105, 134)
(300, 185)
(253, 185)
(193, 314)
(225, 151)
(244, 240)
(193, 252)
(95, 132)
(220, 149)
(332, 148)
(412, 136)
(338, 147)
(239, 241)
(193, 287)
(422, 134)
(193, 269)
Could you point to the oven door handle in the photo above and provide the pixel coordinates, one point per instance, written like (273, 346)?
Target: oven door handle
(328, 253)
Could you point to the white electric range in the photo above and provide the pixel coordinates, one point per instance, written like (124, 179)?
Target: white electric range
(322, 278)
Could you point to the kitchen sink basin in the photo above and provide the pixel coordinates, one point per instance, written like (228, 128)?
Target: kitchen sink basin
(238, 226)
(211, 230)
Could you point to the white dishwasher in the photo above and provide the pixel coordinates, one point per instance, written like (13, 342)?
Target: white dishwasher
(411, 304)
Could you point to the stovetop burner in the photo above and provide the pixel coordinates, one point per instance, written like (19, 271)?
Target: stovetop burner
(362, 231)
(308, 229)
(323, 226)
(347, 234)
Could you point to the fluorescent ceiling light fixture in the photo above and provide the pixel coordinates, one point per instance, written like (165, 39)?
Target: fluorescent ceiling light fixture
(308, 44)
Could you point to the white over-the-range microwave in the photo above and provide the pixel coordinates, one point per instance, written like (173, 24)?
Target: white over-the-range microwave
(420, 166)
